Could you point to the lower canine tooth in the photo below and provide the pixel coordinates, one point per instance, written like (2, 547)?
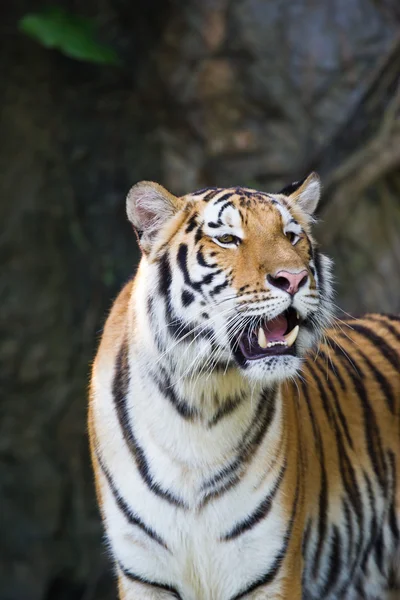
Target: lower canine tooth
(290, 338)
(262, 340)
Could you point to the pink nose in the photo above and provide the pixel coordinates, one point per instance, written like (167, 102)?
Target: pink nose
(289, 282)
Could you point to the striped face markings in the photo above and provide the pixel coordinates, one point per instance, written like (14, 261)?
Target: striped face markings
(243, 275)
(223, 218)
(250, 235)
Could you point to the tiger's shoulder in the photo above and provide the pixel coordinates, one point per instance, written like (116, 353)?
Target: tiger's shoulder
(115, 328)
(360, 354)
(373, 335)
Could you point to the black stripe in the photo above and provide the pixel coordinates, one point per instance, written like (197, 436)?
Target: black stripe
(223, 207)
(326, 404)
(379, 552)
(335, 562)
(207, 279)
(176, 327)
(273, 571)
(347, 474)
(227, 477)
(247, 192)
(306, 538)
(349, 528)
(327, 359)
(350, 484)
(319, 270)
(155, 584)
(393, 516)
(384, 320)
(260, 513)
(261, 420)
(191, 224)
(185, 331)
(392, 317)
(314, 425)
(157, 337)
(120, 392)
(218, 288)
(211, 194)
(182, 257)
(372, 533)
(392, 329)
(166, 388)
(202, 261)
(387, 390)
(378, 341)
(394, 528)
(198, 235)
(323, 493)
(224, 197)
(226, 409)
(371, 430)
(362, 594)
(204, 190)
(164, 276)
(127, 511)
(346, 471)
(187, 298)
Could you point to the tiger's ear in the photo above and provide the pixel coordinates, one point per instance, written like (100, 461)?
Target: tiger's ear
(305, 193)
(148, 206)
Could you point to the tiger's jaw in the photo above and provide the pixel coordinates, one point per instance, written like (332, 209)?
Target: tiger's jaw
(273, 349)
(270, 338)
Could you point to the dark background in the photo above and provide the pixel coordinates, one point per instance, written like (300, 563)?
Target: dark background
(209, 92)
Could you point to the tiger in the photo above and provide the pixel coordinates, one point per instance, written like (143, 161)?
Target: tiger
(245, 441)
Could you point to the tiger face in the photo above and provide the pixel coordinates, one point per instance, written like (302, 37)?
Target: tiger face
(233, 277)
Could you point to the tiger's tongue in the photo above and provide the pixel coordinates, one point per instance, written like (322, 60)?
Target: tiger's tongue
(275, 329)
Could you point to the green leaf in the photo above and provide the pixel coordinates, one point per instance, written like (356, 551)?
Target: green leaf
(72, 35)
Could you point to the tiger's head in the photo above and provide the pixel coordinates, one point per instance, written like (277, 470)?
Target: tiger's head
(231, 278)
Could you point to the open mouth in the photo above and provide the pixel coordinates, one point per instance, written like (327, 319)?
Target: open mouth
(270, 338)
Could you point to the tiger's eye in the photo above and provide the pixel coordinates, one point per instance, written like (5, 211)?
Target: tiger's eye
(227, 239)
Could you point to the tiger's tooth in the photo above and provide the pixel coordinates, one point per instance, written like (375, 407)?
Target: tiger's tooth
(297, 315)
(290, 338)
(262, 340)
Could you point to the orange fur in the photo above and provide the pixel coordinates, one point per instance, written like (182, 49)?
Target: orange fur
(338, 405)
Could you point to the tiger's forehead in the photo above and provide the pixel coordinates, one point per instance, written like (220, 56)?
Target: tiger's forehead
(241, 195)
(233, 205)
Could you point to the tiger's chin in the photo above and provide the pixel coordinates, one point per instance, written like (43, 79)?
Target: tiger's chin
(272, 370)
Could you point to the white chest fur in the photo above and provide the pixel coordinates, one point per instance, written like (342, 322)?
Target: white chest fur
(172, 513)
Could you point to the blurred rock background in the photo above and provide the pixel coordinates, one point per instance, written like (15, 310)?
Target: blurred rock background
(208, 92)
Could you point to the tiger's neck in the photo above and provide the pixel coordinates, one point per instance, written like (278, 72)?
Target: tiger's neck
(215, 426)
